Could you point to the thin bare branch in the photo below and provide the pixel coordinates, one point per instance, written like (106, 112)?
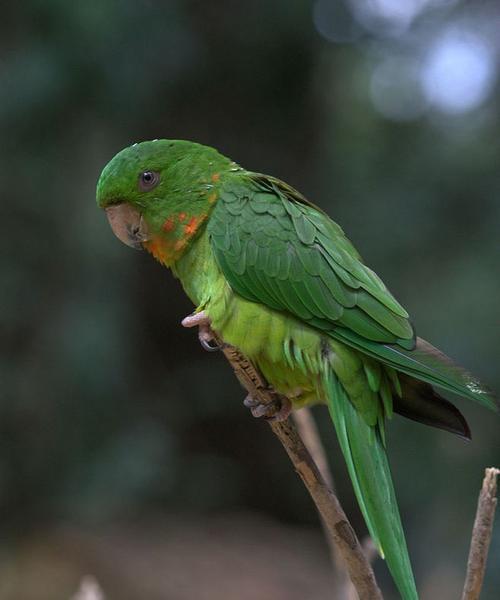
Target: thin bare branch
(348, 591)
(337, 525)
(308, 431)
(481, 536)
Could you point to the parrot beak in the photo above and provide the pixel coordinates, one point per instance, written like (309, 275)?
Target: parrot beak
(128, 225)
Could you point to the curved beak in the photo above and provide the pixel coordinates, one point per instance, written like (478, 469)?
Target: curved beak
(128, 225)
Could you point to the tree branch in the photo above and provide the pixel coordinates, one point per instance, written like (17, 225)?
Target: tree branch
(481, 536)
(308, 431)
(339, 529)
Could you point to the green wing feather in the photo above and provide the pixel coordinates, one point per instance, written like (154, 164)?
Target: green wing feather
(427, 363)
(276, 248)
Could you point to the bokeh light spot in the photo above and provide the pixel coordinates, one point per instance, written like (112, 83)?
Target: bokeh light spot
(386, 16)
(392, 17)
(459, 72)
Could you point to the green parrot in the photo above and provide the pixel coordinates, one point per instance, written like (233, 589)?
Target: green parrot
(275, 277)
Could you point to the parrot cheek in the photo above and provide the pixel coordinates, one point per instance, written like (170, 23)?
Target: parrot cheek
(128, 225)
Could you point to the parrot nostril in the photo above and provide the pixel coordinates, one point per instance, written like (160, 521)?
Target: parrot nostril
(134, 230)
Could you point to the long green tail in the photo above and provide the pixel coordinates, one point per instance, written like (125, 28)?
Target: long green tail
(366, 460)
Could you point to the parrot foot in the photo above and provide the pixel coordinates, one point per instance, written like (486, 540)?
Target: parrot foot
(195, 320)
(278, 410)
(207, 337)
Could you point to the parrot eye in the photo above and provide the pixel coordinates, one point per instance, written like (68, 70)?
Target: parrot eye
(148, 180)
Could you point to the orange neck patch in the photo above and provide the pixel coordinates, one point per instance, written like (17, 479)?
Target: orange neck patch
(176, 233)
(179, 229)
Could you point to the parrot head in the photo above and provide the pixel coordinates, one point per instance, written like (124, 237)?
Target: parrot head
(158, 194)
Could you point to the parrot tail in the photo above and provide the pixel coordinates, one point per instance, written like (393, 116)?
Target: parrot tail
(366, 459)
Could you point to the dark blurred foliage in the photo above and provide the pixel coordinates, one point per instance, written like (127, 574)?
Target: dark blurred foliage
(110, 410)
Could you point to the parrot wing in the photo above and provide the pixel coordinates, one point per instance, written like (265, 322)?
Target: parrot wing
(276, 248)
(289, 255)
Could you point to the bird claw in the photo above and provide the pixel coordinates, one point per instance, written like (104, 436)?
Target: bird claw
(207, 337)
(208, 340)
(278, 410)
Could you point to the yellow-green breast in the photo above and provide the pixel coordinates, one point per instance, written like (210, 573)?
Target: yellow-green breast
(287, 351)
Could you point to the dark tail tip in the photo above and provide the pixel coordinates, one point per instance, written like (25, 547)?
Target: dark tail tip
(420, 402)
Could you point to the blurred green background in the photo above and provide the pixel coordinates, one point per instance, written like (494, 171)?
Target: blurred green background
(125, 451)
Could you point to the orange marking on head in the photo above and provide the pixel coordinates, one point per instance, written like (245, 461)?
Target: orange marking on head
(169, 225)
(168, 249)
(182, 216)
(192, 226)
(215, 177)
(213, 197)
